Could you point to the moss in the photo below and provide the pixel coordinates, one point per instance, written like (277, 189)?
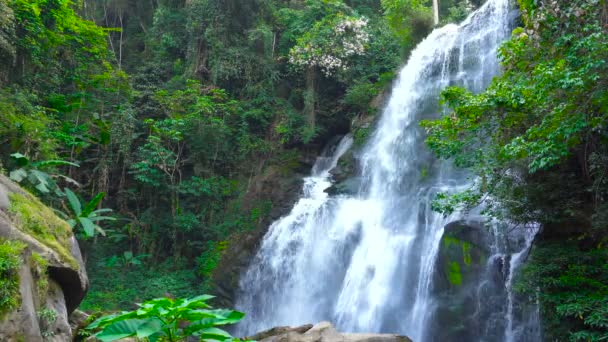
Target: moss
(454, 274)
(466, 248)
(361, 135)
(466, 253)
(10, 262)
(40, 222)
(39, 265)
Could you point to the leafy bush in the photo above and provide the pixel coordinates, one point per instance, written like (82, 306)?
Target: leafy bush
(169, 320)
(572, 286)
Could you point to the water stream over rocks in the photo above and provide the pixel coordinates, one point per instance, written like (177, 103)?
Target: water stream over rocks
(380, 260)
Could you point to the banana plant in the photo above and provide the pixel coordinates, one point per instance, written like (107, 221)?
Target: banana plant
(170, 320)
(33, 173)
(86, 216)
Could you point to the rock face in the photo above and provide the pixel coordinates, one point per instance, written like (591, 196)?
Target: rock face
(463, 263)
(321, 332)
(282, 188)
(52, 277)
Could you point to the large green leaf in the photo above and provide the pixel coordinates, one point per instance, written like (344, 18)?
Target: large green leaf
(213, 334)
(18, 175)
(88, 209)
(120, 329)
(45, 163)
(43, 180)
(101, 218)
(21, 159)
(88, 226)
(75, 204)
(151, 327)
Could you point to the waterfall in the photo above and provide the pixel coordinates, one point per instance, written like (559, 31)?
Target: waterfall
(366, 261)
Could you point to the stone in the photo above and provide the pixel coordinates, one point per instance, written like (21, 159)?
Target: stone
(78, 320)
(464, 261)
(4, 202)
(58, 329)
(321, 332)
(52, 276)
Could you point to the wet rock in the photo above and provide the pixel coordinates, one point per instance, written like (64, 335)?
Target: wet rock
(463, 253)
(345, 168)
(349, 186)
(468, 279)
(321, 332)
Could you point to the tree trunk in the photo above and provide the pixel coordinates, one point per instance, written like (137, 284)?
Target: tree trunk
(436, 12)
(310, 96)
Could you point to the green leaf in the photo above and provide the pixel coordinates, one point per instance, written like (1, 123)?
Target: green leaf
(101, 218)
(46, 163)
(88, 209)
(119, 330)
(75, 204)
(21, 159)
(18, 175)
(88, 226)
(213, 334)
(150, 327)
(42, 180)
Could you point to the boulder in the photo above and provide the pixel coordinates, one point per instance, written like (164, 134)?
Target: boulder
(52, 278)
(468, 280)
(321, 332)
(463, 253)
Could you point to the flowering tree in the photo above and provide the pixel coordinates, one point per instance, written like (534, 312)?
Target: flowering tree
(330, 43)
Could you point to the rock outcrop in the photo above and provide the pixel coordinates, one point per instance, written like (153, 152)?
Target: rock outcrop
(280, 185)
(321, 332)
(51, 279)
(468, 282)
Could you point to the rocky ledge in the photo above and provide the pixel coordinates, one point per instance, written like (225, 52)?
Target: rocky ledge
(321, 332)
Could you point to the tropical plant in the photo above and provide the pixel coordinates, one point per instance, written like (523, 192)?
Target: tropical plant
(85, 217)
(127, 259)
(33, 173)
(167, 319)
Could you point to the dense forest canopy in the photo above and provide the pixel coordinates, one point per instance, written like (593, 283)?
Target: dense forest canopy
(171, 112)
(175, 113)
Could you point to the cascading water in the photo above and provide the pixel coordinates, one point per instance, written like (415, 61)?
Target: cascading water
(366, 261)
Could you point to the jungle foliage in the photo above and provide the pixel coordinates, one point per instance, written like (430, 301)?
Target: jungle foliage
(170, 112)
(537, 142)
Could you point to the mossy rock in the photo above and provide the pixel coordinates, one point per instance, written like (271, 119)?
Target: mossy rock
(40, 222)
(40, 266)
(463, 263)
(463, 253)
